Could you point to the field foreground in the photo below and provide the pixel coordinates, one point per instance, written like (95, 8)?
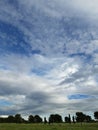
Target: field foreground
(86, 126)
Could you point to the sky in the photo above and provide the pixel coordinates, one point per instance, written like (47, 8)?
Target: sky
(48, 56)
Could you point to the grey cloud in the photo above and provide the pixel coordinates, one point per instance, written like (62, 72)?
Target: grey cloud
(65, 42)
(87, 105)
(54, 37)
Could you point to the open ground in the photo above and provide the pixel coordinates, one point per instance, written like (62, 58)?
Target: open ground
(63, 126)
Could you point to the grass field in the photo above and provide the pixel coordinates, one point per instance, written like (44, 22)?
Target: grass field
(86, 126)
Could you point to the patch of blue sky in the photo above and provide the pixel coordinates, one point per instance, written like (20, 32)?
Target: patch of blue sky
(36, 52)
(77, 54)
(10, 29)
(4, 67)
(4, 103)
(86, 57)
(13, 2)
(79, 96)
(39, 72)
(12, 40)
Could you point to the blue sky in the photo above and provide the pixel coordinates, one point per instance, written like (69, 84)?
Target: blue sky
(48, 56)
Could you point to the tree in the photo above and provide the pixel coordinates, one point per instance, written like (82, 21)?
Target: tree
(96, 115)
(37, 119)
(31, 119)
(73, 119)
(45, 120)
(2, 120)
(67, 119)
(58, 118)
(11, 119)
(18, 118)
(88, 118)
(51, 118)
(55, 118)
(80, 117)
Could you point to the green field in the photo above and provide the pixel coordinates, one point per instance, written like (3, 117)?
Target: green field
(86, 126)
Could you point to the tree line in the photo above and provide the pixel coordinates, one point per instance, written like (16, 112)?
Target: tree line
(53, 118)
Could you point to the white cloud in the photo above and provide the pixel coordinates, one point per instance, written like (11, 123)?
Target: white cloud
(46, 33)
(37, 93)
(61, 8)
(44, 81)
(90, 7)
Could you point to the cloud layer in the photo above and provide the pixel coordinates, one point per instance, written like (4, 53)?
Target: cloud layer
(48, 56)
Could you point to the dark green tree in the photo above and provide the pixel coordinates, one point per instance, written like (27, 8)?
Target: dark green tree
(80, 117)
(73, 119)
(37, 119)
(67, 119)
(11, 119)
(58, 118)
(88, 118)
(18, 118)
(51, 119)
(55, 118)
(96, 115)
(31, 119)
(45, 120)
(2, 120)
